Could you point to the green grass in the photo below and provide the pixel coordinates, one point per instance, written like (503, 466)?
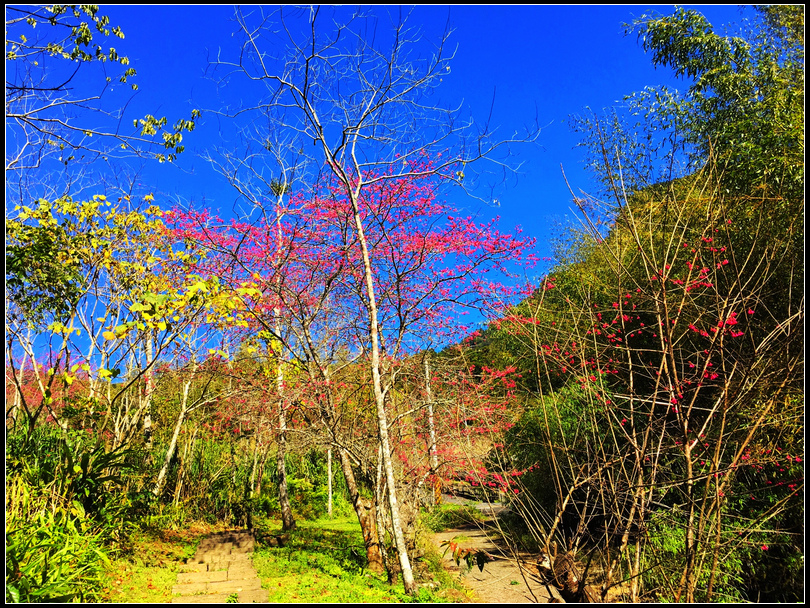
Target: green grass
(148, 571)
(323, 561)
(447, 516)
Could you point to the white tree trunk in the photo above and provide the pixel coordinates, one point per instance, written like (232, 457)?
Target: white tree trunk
(288, 522)
(150, 388)
(164, 470)
(379, 398)
(434, 458)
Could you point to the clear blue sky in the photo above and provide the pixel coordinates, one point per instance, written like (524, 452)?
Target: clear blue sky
(544, 62)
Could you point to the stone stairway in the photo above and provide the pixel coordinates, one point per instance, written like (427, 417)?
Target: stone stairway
(220, 568)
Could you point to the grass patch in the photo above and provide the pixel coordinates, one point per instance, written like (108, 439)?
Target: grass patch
(447, 516)
(324, 562)
(147, 571)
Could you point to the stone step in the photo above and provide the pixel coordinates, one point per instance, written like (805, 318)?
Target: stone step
(255, 596)
(224, 586)
(190, 588)
(221, 598)
(221, 567)
(245, 584)
(235, 573)
(202, 577)
(217, 557)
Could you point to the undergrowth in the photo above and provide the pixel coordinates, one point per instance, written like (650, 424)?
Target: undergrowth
(447, 516)
(324, 561)
(147, 571)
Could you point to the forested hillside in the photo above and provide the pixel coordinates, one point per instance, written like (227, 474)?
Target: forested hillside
(641, 407)
(662, 359)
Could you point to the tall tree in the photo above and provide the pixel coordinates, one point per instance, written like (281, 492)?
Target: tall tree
(363, 102)
(429, 266)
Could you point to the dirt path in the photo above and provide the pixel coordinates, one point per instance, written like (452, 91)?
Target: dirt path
(506, 579)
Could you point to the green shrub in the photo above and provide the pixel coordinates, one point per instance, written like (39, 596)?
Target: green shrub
(445, 517)
(52, 555)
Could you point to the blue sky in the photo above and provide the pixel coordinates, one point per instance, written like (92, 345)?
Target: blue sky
(542, 62)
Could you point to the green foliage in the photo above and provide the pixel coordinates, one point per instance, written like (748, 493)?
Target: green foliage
(66, 512)
(40, 282)
(307, 487)
(51, 555)
(743, 110)
(63, 511)
(663, 555)
(745, 106)
(447, 516)
(322, 561)
(547, 424)
(221, 472)
(73, 466)
(54, 247)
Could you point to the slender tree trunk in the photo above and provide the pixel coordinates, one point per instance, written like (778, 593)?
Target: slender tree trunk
(164, 470)
(392, 566)
(379, 398)
(686, 587)
(12, 412)
(639, 496)
(287, 520)
(150, 388)
(189, 448)
(262, 464)
(254, 468)
(329, 481)
(364, 515)
(434, 458)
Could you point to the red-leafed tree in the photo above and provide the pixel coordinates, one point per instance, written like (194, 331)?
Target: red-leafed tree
(305, 284)
(358, 120)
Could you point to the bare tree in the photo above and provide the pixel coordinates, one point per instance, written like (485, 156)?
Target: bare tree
(359, 106)
(668, 369)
